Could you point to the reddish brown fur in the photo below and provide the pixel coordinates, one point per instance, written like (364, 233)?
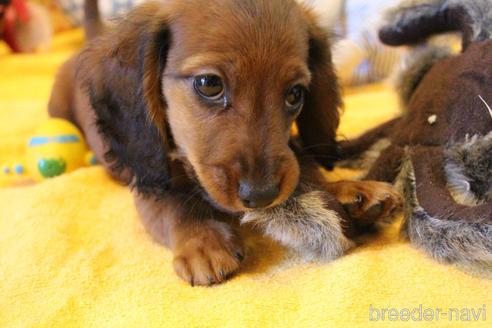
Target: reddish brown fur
(130, 92)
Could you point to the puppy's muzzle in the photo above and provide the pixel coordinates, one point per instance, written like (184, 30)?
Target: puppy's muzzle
(255, 195)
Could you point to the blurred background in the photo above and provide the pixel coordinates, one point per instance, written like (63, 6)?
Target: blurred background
(29, 26)
(37, 36)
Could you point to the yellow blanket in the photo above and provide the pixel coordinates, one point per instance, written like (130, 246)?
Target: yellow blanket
(73, 253)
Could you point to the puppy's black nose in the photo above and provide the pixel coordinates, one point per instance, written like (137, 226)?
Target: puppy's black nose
(257, 196)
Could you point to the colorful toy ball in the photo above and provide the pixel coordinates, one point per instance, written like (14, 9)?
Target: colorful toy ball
(56, 147)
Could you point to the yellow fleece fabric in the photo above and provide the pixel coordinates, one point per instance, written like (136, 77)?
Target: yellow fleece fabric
(74, 254)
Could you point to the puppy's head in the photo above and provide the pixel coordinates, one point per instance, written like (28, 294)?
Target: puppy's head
(224, 82)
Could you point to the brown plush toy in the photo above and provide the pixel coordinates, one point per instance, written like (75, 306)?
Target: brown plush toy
(441, 146)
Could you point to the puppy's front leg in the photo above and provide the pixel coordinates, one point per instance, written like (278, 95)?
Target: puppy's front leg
(207, 249)
(366, 202)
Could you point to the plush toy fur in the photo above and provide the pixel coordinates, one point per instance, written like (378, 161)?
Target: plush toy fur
(415, 20)
(305, 224)
(440, 149)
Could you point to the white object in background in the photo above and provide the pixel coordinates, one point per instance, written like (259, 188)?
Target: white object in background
(109, 9)
(329, 11)
(358, 55)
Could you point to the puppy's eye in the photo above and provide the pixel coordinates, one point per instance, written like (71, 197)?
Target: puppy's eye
(209, 87)
(295, 98)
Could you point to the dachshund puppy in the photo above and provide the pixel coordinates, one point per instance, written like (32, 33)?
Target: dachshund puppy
(192, 104)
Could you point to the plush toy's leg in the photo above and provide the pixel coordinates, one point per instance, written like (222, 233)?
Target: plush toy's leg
(311, 222)
(435, 222)
(415, 20)
(432, 192)
(356, 147)
(387, 166)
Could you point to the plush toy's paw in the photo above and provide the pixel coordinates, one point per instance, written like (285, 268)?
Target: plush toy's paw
(305, 223)
(208, 255)
(413, 21)
(368, 201)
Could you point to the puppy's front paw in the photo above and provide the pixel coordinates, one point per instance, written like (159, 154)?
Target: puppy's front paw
(207, 254)
(369, 201)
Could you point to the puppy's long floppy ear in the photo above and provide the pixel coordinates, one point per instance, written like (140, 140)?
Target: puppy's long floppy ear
(415, 20)
(319, 119)
(122, 75)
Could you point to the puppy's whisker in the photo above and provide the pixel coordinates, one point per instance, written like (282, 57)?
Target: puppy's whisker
(317, 145)
(174, 178)
(194, 192)
(320, 156)
(486, 105)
